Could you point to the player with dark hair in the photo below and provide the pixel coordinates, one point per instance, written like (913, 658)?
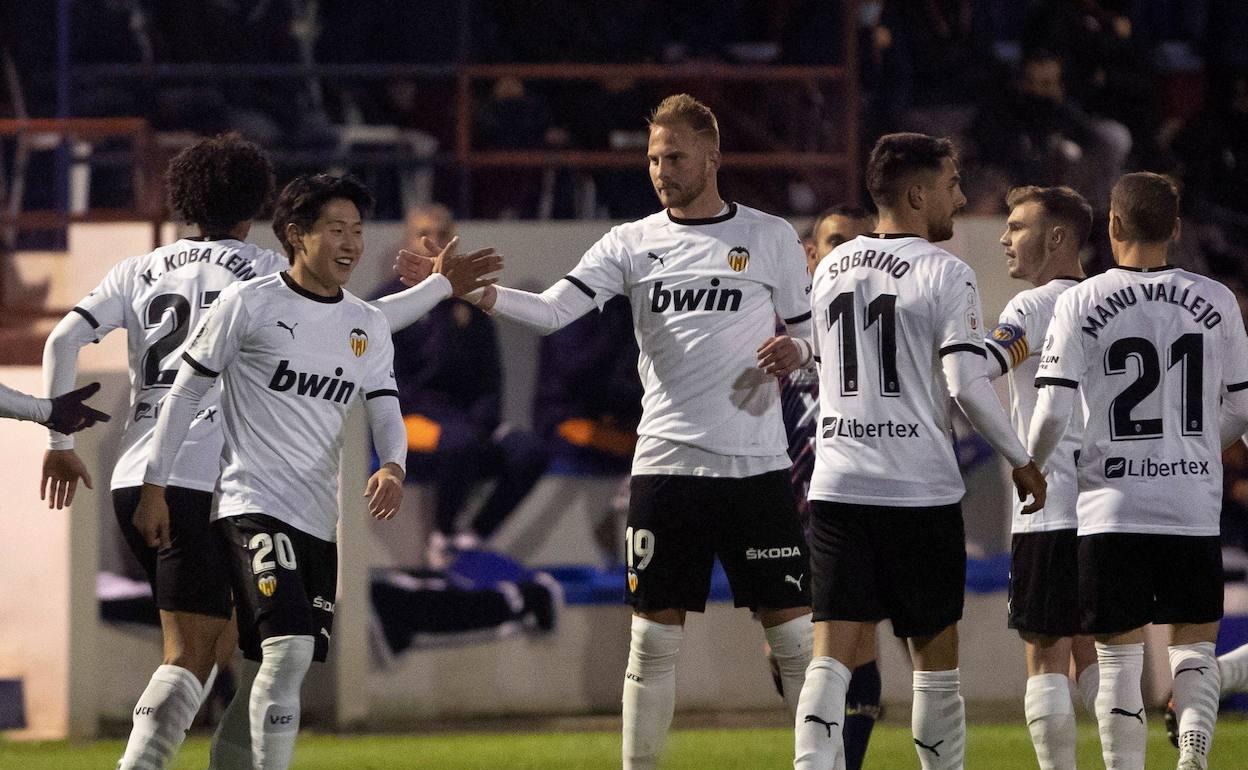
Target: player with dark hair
(706, 279)
(799, 405)
(1160, 350)
(294, 351)
(158, 298)
(832, 227)
(893, 314)
(1046, 228)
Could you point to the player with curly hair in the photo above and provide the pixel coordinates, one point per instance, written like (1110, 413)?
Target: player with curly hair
(218, 185)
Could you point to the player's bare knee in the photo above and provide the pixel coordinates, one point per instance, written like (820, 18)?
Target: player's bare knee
(667, 617)
(937, 652)
(773, 617)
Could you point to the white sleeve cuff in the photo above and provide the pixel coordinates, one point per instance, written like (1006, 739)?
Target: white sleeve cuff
(404, 308)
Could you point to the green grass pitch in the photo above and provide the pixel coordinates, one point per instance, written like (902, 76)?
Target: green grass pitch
(990, 747)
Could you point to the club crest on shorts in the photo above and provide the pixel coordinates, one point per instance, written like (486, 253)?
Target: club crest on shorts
(359, 342)
(738, 258)
(267, 584)
(632, 581)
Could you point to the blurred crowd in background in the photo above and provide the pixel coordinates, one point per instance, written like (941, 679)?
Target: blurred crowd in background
(1033, 92)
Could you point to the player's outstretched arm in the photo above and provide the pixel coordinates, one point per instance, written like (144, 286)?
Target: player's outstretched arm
(434, 278)
(16, 405)
(60, 370)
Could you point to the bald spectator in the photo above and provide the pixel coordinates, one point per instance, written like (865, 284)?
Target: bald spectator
(450, 390)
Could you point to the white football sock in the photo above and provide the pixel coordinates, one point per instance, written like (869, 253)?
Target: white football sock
(161, 718)
(1234, 666)
(939, 720)
(818, 742)
(274, 702)
(1196, 694)
(1089, 681)
(231, 743)
(1120, 706)
(649, 691)
(1051, 720)
(791, 644)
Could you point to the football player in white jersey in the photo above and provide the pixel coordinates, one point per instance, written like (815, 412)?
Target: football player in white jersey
(1151, 350)
(799, 402)
(67, 413)
(293, 351)
(1046, 228)
(706, 280)
(218, 185)
(897, 333)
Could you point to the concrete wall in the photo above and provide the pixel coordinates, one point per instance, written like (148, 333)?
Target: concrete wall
(75, 669)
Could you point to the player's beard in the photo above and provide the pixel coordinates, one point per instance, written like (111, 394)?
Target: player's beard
(685, 194)
(940, 230)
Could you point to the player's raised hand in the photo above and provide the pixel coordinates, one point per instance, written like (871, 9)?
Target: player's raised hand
(62, 468)
(780, 355)
(151, 517)
(70, 414)
(385, 491)
(1028, 480)
(468, 272)
(412, 267)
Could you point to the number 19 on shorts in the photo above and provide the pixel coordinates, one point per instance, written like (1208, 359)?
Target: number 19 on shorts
(638, 548)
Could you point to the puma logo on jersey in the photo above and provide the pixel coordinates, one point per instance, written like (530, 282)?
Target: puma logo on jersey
(797, 581)
(820, 720)
(931, 748)
(311, 385)
(1198, 669)
(1123, 712)
(656, 258)
(290, 329)
(678, 300)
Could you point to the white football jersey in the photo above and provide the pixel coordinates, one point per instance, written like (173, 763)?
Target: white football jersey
(705, 294)
(159, 298)
(291, 364)
(886, 309)
(1015, 344)
(1152, 352)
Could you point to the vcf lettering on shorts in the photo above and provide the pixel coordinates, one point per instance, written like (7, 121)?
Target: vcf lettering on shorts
(638, 552)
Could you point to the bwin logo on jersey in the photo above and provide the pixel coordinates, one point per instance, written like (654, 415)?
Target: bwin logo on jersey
(359, 342)
(312, 385)
(694, 299)
(738, 258)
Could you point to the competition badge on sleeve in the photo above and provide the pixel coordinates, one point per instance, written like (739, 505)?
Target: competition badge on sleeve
(738, 258)
(359, 342)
